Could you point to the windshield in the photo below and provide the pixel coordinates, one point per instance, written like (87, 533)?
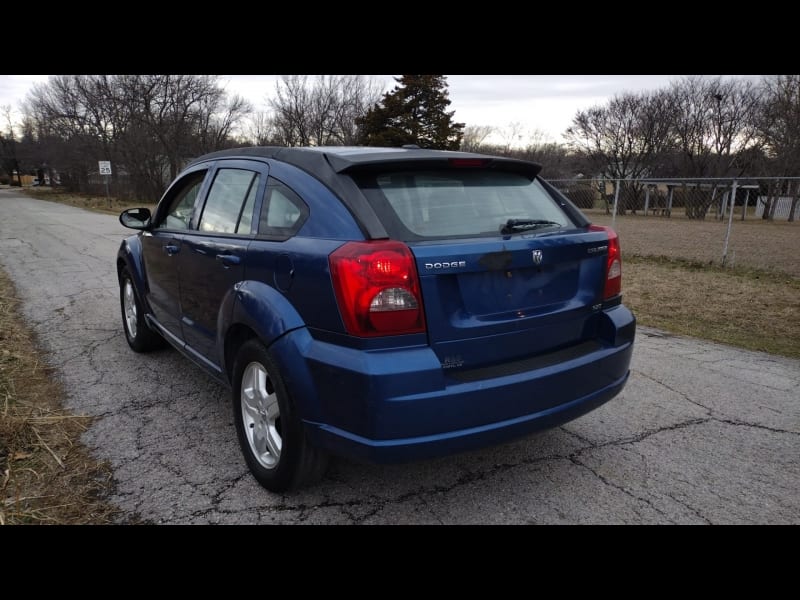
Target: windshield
(460, 203)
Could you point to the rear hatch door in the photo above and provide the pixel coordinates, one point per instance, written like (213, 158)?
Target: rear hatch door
(491, 301)
(507, 270)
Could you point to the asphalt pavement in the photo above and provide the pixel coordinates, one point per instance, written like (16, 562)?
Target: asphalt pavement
(703, 433)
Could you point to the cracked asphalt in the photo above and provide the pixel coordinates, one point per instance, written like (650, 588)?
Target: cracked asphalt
(703, 433)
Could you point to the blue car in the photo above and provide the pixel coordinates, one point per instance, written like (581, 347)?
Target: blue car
(382, 304)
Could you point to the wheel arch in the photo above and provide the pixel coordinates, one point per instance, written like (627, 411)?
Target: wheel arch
(260, 312)
(253, 310)
(235, 338)
(129, 257)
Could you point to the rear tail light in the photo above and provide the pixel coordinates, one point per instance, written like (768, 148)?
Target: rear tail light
(377, 288)
(613, 285)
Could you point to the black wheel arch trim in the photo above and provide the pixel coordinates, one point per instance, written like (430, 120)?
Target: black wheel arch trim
(130, 256)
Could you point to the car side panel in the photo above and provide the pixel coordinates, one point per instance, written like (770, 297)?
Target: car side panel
(204, 281)
(328, 218)
(159, 252)
(297, 269)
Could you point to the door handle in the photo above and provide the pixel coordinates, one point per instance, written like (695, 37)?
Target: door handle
(228, 260)
(171, 249)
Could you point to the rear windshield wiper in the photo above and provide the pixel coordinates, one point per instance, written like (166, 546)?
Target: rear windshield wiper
(513, 225)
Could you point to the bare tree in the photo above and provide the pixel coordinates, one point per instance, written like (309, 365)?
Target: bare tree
(181, 112)
(714, 122)
(150, 125)
(778, 125)
(259, 130)
(714, 128)
(322, 111)
(291, 110)
(70, 125)
(357, 94)
(218, 120)
(512, 134)
(623, 139)
(556, 160)
(475, 136)
(8, 147)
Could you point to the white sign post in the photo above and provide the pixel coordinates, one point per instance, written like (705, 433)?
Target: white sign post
(105, 169)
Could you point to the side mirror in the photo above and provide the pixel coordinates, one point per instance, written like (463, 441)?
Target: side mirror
(135, 218)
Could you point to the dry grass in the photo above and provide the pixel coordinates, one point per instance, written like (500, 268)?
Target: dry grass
(673, 279)
(46, 475)
(111, 206)
(758, 310)
(755, 243)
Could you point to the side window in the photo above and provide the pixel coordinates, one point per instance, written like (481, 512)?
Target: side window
(226, 205)
(246, 221)
(283, 212)
(179, 213)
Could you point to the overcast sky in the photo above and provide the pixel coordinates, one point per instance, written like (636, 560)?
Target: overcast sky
(544, 103)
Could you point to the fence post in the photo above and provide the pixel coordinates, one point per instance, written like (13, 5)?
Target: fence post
(746, 200)
(646, 199)
(669, 205)
(616, 199)
(723, 204)
(730, 222)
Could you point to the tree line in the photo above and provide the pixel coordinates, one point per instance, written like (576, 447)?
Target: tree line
(697, 127)
(146, 125)
(149, 126)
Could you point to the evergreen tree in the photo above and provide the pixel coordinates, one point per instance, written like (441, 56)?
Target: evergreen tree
(414, 112)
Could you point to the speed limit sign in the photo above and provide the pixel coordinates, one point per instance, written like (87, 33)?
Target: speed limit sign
(105, 167)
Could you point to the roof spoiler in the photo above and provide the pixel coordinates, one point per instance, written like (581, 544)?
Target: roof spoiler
(423, 160)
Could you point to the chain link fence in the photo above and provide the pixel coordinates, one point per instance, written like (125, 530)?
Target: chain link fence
(749, 222)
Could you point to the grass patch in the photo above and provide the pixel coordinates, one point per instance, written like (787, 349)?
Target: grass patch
(755, 243)
(46, 474)
(745, 307)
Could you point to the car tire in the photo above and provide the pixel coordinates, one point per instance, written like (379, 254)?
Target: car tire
(271, 434)
(138, 333)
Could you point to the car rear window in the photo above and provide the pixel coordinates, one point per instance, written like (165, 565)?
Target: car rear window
(416, 205)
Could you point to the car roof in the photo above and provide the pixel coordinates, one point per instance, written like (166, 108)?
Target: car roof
(327, 163)
(320, 160)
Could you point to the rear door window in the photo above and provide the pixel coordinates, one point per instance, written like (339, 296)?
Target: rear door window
(443, 204)
(282, 213)
(231, 195)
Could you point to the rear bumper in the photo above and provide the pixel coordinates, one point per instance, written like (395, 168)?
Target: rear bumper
(405, 449)
(396, 405)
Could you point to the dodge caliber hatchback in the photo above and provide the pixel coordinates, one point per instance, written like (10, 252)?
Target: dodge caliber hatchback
(384, 304)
